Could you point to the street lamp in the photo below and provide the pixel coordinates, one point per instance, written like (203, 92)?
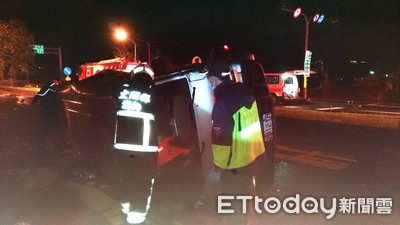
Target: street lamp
(318, 19)
(121, 35)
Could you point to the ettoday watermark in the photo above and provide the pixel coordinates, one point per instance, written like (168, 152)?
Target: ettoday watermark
(309, 205)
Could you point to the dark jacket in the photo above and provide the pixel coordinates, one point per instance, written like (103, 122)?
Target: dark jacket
(236, 134)
(49, 102)
(229, 98)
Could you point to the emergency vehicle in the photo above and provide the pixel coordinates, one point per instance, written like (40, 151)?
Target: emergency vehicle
(117, 64)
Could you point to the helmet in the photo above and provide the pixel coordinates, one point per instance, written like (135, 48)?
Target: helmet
(142, 75)
(55, 82)
(143, 68)
(218, 67)
(55, 85)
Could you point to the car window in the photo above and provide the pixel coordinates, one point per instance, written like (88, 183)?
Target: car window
(272, 79)
(288, 80)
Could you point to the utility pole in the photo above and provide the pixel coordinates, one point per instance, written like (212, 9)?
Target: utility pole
(55, 51)
(317, 18)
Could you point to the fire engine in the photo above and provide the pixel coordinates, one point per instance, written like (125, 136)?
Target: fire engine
(118, 64)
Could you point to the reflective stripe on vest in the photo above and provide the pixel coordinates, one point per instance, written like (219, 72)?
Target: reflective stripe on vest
(247, 141)
(145, 147)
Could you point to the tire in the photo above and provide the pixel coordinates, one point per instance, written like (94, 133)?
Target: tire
(274, 98)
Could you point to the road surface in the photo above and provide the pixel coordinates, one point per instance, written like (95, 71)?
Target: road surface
(75, 184)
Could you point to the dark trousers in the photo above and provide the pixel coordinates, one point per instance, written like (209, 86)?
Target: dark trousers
(136, 174)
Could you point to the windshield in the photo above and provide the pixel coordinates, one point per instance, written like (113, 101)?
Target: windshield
(272, 79)
(288, 80)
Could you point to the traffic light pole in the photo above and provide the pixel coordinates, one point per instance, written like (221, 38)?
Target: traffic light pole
(55, 51)
(148, 43)
(305, 54)
(60, 62)
(148, 50)
(305, 45)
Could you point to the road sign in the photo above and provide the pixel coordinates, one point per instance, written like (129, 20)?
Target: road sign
(67, 78)
(307, 63)
(38, 48)
(67, 71)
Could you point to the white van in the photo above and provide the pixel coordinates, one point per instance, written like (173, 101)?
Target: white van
(283, 85)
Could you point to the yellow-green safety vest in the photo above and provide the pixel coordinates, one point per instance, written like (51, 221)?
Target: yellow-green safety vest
(247, 141)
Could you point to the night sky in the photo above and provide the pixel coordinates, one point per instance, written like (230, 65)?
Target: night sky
(354, 30)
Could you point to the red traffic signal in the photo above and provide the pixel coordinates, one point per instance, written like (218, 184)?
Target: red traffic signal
(297, 13)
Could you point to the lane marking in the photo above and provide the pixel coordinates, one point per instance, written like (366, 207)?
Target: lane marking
(329, 108)
(74, 102)
(293, 107)
(74, 111)
(314, 158)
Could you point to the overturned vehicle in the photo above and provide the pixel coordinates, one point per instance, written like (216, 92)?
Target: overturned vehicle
(138, 119)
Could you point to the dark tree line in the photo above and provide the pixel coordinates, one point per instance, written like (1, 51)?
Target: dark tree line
(16, 53)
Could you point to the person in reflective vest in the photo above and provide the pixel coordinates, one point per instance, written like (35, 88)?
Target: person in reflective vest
(137, 109)
(237, 142)
(136, 145)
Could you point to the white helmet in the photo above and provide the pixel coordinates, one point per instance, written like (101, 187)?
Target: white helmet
(143, 68)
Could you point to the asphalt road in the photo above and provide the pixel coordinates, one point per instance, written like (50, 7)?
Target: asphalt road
(45, 183)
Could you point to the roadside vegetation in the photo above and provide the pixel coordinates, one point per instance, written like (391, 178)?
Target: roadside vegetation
(378, 87)
(16, 53)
